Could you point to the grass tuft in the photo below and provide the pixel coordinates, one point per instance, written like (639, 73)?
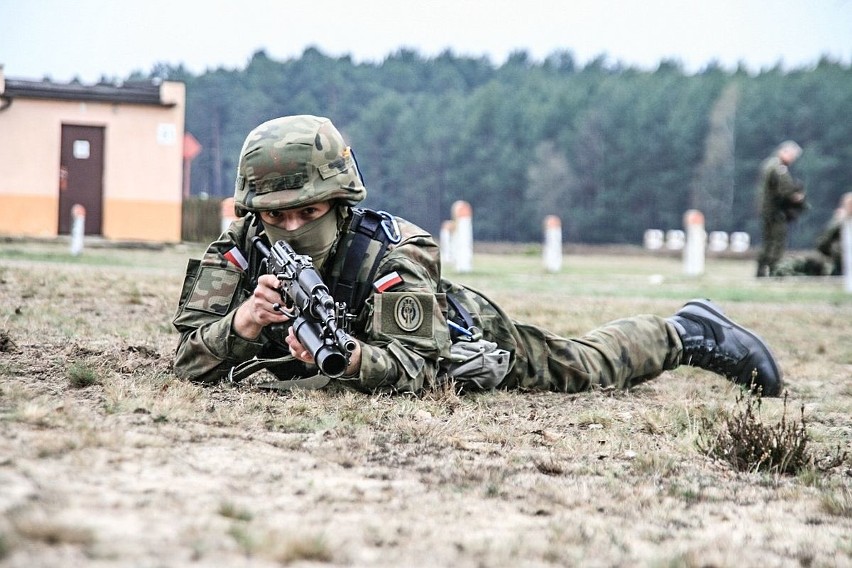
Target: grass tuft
(307, 549)
(232, 511)
(549, 467)
(838, 503)
(745, 442)
(81, 375)
(7, 345)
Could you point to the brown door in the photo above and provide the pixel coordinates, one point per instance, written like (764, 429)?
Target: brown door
(81, 176)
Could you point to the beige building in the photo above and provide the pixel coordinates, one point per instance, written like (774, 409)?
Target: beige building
(117, 150)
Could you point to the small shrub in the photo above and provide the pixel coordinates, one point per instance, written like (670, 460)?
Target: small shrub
(306, 549)
(748, 444)
(81, 376)
(6, 343)
(549, 467)
(135, 297)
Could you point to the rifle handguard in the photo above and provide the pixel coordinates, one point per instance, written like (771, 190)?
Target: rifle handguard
(314, 312)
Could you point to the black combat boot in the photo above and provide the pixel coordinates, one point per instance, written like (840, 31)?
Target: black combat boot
(713, 342)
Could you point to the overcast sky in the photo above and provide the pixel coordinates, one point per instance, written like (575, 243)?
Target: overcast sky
(88, 39)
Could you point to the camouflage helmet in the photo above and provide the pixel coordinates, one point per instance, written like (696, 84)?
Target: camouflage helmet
(295, 161)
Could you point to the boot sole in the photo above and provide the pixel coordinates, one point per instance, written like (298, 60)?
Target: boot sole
(717, 311)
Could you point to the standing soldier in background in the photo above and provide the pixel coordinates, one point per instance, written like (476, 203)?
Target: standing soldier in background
(782, 201)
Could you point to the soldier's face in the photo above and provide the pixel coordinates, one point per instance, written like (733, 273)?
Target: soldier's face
(788, 156)
(292, 219)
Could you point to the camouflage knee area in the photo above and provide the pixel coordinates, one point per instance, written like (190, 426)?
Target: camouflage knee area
(633, 350)
(622, 353)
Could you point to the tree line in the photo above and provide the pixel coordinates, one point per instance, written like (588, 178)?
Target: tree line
(611, 149)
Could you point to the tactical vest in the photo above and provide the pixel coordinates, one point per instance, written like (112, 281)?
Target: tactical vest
(474, 362)
(351, 272)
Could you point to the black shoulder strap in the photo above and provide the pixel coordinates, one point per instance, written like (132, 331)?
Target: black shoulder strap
(254, 229)
(359, 254)
(460, 321)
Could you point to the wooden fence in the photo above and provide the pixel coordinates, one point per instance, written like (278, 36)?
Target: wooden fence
(202, 221)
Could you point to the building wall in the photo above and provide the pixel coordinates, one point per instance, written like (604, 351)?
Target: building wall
(143, 165)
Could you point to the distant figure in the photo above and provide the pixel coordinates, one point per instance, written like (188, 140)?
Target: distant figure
(827, 260)
(828, 242)
(782, 201)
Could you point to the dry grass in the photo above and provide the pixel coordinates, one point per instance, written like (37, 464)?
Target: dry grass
(107, 460)
(745, 442)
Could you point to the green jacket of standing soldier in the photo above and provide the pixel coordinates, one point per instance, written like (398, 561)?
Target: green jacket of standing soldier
(782, 200)
(297, 181)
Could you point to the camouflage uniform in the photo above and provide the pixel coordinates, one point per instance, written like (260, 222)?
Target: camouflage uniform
(620, 354)
(777, 187)
(829, 243)
(403, 321)
(827, 260)
(808, 265)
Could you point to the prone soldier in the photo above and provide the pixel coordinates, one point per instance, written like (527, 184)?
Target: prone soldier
(298, 181)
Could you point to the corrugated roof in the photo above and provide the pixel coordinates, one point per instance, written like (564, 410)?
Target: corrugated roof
(142, 93)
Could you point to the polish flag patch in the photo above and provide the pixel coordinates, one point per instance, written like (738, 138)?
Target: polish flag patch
(387, 282)
(235, 257)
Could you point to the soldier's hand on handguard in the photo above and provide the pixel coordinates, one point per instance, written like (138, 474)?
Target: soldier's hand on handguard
(260, 309)
(298, 350)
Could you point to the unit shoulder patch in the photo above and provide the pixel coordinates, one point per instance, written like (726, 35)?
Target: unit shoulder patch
(404, 314)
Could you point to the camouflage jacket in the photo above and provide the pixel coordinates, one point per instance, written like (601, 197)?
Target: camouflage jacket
(403, 330)
(777, 187)
(829, 242)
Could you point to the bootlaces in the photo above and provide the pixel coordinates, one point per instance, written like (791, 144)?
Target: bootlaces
(707, 355)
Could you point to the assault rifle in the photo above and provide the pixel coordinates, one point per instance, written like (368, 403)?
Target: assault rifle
(317, 319)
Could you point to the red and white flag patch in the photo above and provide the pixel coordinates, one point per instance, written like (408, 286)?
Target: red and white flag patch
(235, 257)
(387, 282)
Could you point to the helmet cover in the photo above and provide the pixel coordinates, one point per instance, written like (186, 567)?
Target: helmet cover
(294, 161)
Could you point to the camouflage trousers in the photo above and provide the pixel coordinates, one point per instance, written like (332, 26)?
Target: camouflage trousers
(774, 244)
(620, 354)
